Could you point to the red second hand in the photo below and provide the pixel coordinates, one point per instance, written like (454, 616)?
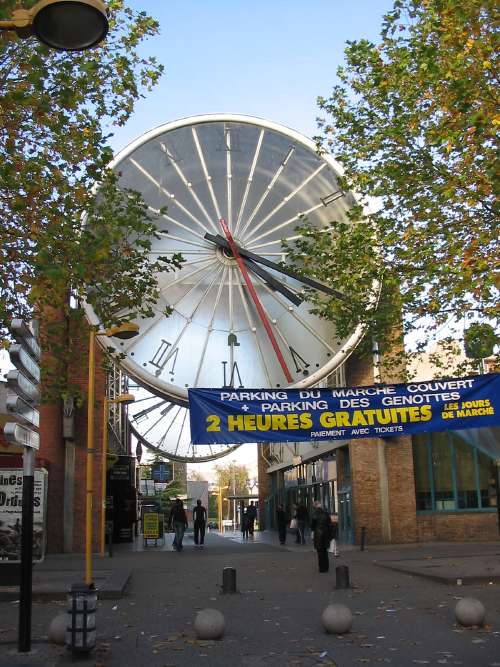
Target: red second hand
(255, 299)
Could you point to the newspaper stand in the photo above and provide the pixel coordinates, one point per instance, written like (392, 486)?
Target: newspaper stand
(153, 526)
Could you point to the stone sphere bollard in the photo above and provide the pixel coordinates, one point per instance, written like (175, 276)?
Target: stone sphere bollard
(209, 624)
(469, 611)
(337, 619)
(57, 629)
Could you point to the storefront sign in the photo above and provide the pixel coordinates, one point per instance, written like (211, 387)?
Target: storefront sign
(151, 526)
(11, 494)
(231, 416)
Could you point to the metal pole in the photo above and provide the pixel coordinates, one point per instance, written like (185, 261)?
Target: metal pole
(90, 460)
(104, 455)
(25, 599)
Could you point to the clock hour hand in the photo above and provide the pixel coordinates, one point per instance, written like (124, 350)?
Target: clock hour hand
(274, 284)
(247, 254)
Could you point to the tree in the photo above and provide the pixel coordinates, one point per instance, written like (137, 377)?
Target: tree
(55, 234)
(235, 478)
(195, 476)
(414, 122)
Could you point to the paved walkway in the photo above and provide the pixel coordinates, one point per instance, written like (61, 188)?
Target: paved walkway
(401, 616)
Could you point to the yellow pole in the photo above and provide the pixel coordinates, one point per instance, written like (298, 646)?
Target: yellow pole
(90, 460)
(104, 456)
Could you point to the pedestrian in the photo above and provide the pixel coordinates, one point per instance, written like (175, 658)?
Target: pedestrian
(282, 521)
(252, 515)
(334, 535)
(199, 522)
(178, 521)
(245, 523)
(321, 526)
(301, 516)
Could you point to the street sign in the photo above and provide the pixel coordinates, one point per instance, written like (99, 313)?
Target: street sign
(19, 407)
(22, 334)
(20, 385)
(20, 435)
(22, 360)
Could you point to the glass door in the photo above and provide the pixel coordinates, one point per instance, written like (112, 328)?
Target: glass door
(346, 528)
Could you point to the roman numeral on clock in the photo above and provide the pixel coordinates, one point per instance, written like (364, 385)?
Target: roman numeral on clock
(234, 371)
(163, 355)
(300, 363)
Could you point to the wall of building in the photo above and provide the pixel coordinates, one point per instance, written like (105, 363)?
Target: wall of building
(457, 527)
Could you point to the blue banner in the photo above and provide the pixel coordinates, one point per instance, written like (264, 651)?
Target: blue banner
(232, 416)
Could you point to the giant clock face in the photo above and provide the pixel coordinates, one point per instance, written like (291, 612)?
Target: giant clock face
(234, 187)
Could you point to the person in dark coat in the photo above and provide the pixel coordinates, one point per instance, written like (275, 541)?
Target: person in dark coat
(178, 521)
(282, 521)
(199, 522)
(322, 531)
(245, 524)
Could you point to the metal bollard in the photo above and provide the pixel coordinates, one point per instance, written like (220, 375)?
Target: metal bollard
(342, 577)
(229, 580)
(363, 538)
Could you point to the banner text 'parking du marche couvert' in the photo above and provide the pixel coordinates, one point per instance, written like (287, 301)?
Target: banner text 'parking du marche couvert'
(232, 416)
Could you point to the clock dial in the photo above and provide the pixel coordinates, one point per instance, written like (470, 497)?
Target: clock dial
(163, 428)
(232, 185)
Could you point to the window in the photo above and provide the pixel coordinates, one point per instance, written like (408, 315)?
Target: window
(451, 475)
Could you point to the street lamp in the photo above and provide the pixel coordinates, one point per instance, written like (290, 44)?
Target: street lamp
(122, 399)
(65, 25)
(123, 331)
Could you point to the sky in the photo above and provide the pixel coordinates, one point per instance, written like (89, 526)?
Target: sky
(266, 58)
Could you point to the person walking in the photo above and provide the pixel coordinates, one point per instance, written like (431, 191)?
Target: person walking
(245, 523)
(199, 522)
(321, 527)
(178, 521)
(301, 516)
(282, 521)
(252, 515)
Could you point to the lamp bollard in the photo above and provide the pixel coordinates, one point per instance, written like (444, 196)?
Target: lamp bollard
(342, 577)
(82, 606)
(363, 538)
(229, 580)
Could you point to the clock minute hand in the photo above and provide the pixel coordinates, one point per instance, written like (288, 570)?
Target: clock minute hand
(256, 300)
(221, 241)
(274, 284)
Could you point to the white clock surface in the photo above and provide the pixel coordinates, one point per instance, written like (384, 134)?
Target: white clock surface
(259, 177)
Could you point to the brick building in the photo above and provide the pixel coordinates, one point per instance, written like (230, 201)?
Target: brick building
(429, 487)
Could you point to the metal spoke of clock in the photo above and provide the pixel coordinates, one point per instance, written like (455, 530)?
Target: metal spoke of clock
(268, 189)
(161, 442)
(169, 196)
(207, 264)
(218, 271)
(176, 222)
(189, 186)
(271, 243)
(285, 200)
(208, 178)
(210, 326)
(180, 433)
(190, 317)
(249, 181)
(132, 342)
(299, 319)
(229, 177)
(143, 413)
(253, 329)
(250, 241)
(162, 416)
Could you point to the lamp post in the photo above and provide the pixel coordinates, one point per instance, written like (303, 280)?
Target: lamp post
(123, 399)
(64, 25)
(123, 331)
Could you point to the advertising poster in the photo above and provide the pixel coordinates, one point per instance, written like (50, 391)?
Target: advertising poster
(151, 526)
(11, 495)
(232, 416)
